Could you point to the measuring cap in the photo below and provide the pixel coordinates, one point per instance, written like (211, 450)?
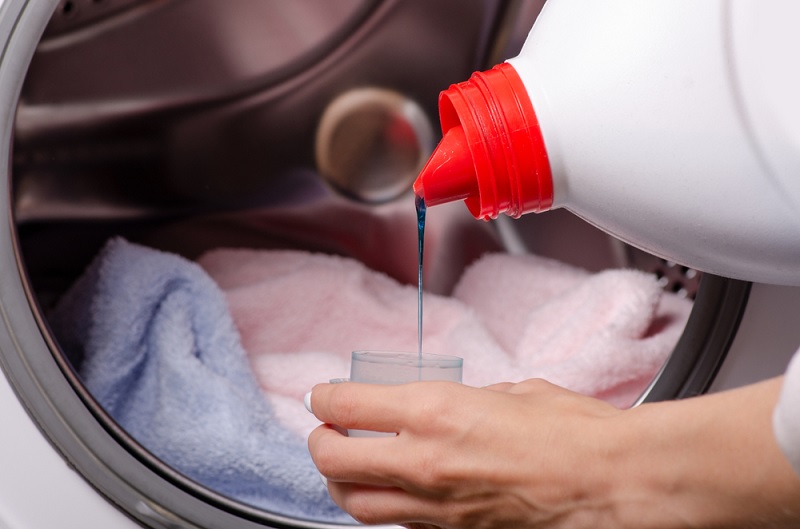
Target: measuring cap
(492, 153)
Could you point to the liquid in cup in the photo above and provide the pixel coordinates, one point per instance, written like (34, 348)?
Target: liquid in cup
(379, 367)
(389, 367)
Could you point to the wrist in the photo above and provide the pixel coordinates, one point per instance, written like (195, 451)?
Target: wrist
(709, 461)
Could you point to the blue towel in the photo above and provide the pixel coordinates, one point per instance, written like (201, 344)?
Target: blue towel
(158, 349)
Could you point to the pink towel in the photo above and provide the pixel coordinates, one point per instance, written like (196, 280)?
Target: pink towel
(510, 317)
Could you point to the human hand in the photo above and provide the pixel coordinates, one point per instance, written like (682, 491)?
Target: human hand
(532, 455)
(510, 455)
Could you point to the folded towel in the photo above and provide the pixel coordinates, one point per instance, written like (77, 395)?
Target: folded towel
(159, 351)
(605, 334)
(510, 318)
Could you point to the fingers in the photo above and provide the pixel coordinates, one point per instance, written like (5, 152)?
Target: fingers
(370, 461)
(448, 466)
(500, 386)
(526, 386)
(531, 386)
(388, 505)
(425, 413)
(378, 408)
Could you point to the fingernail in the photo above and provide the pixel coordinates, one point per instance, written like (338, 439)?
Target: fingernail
(324, 480)
(307, 402)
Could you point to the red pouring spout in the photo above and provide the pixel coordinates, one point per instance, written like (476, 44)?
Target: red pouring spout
(449, 173)
(492, 154)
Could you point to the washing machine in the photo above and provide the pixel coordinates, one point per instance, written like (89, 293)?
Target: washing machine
(176, 123)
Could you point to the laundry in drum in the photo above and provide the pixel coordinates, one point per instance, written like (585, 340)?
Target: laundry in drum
(206, 362)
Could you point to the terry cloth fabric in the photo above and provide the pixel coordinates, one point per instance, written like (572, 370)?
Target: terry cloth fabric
(786, 419)
(510, 317)
(161, 354)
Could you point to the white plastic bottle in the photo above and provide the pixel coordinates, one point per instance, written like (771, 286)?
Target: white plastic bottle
(674, 125)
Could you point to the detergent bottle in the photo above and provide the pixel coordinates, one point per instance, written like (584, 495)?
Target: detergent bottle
(672, 125)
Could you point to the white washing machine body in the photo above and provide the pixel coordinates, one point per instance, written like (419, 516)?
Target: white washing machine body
(38, 488)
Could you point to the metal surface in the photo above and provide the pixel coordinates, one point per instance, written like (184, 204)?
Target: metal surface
(212, 107)
(371, 144)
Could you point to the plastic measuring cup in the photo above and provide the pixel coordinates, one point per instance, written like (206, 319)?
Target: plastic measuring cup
(395, 367)
(390, 367)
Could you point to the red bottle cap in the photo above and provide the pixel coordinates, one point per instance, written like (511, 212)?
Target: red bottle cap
(492, 154)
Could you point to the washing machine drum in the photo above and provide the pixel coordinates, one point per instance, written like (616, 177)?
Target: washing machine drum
(187, 125)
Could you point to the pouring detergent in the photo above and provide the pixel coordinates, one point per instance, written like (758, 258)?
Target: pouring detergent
(688, 147)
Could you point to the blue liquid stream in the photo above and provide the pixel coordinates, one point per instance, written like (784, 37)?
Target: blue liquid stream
(421, 210)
